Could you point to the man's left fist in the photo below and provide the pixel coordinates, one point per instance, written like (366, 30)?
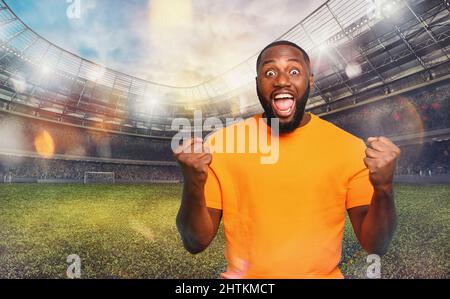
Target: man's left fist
(381, 160)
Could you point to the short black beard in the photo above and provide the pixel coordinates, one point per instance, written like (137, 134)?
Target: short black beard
(300, 106)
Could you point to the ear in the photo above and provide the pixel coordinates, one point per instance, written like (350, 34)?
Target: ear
(311, 81)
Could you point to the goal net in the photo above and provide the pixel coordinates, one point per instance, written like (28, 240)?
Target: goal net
(96, 177)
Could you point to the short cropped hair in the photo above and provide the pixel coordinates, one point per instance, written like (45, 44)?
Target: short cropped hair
(281, 43)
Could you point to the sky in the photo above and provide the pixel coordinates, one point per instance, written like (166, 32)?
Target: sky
(174, 42)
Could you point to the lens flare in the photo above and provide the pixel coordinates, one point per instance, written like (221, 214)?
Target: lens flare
(166, 15)
(353, 70)
(44, 144)
(410, 117)
(406, 115)
(174, 20)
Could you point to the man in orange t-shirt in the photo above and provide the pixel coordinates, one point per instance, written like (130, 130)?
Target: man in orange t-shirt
(285, 219)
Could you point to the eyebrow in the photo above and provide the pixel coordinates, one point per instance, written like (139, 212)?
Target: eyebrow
(267, 62)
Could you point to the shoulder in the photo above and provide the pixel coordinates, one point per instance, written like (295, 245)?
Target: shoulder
(336, 136)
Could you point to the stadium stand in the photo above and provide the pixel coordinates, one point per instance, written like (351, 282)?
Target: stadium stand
(375, 74)
(414, 112)
(26, 169)
(429, 159)
(76, 141)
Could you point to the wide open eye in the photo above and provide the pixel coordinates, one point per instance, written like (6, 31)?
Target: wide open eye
(295, 72)
(270, 73)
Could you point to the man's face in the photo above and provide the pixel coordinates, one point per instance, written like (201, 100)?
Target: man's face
(283, 85)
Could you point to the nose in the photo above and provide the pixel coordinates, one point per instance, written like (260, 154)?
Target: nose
(282, 80)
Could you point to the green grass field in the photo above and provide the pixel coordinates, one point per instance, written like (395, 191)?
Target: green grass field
(128, 231)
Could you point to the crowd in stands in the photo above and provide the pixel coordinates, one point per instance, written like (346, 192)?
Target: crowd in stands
(428, 159)
(414, 112)
(421, 110)
(75, 141)
(53, 169)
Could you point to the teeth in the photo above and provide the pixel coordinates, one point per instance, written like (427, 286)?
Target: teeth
(283, 96)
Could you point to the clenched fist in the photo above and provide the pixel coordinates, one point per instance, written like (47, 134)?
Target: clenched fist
(381, 160)
(194, 158)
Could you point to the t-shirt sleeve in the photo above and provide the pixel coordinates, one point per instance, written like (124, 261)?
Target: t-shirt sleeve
(359, 188)
(213, 194)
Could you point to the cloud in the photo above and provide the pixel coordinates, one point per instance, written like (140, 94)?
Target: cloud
(176, 42)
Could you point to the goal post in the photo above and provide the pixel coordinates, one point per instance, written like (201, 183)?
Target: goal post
(98, 177)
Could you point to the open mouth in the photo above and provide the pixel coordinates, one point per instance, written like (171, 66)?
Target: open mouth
(283, 104)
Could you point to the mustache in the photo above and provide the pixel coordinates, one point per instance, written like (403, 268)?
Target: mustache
(300, 106)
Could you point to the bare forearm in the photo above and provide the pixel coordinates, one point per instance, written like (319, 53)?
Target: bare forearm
(193, 220)
(380, 222)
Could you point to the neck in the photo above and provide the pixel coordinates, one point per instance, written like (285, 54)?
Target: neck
(305, 120)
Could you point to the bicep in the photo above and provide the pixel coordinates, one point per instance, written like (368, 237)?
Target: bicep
(357, 215)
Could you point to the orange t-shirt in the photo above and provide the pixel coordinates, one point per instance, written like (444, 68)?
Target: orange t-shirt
(286, 219)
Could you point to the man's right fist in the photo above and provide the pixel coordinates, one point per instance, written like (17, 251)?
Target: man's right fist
(194, 158)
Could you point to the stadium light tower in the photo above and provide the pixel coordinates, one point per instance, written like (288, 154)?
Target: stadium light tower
(382, 8)
(389, 8)
(353, 70)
